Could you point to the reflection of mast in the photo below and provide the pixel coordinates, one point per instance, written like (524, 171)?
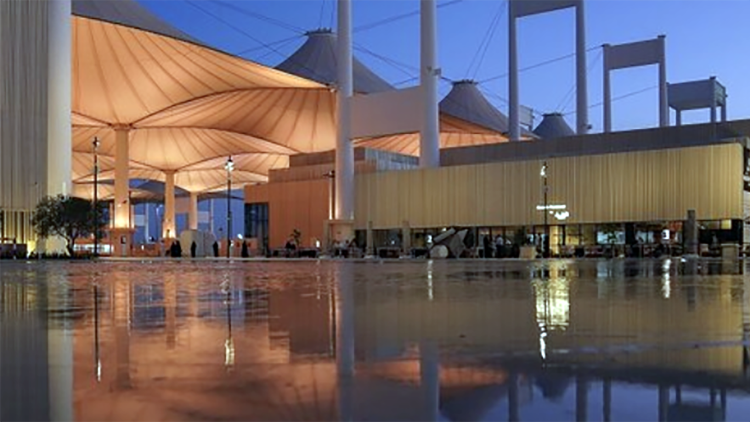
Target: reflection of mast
(429, 372)
(582, 398)
(122, 309)
(746, 327)
(607, 399)
(170, 305)
(344, 285)
(513, 396)
(60, 349)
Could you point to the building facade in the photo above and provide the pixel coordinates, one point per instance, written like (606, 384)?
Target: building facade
(625, 188)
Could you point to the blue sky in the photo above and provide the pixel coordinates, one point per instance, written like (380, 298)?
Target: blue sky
(704, 38)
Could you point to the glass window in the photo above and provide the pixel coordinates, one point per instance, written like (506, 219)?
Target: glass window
(256, 222)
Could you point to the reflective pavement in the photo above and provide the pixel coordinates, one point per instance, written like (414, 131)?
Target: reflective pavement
(594, 340)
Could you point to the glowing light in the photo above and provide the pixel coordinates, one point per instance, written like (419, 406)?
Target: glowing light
(551, 207)
(562, 215)
(430, 289)
(666, 284)
(229, 353)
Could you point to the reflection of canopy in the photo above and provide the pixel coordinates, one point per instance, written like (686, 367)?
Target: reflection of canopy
(187, 106)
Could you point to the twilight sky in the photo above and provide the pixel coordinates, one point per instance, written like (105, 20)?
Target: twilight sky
(704, 38)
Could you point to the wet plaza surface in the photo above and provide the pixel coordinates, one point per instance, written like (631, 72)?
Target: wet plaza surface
(590, 340)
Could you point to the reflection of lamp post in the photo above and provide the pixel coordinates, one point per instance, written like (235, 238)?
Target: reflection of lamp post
(229, 342)
(545, 188)
(230, 168)
(97, 358)
(96, 144)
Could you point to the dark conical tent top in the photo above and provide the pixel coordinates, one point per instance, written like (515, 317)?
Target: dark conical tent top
(466, 102)
(128, 13)
(317, 60)
(553, 126)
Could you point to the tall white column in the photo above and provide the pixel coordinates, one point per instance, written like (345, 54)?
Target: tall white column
(344, 150)
(663, 96)
(713, 112)
(169, 226)
(582, 103)
(59, 135)
(429, 143)
(193, 211)
(514, 120)
(607, 91)
(122, 177)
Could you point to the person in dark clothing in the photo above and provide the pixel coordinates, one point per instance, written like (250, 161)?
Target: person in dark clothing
(172, 250)
(487, 245)
(216, 249)
(178, 249)
(245, 252)
(193, 249)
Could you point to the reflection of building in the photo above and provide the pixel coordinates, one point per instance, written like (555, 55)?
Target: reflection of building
(468, 347)
(24, 366)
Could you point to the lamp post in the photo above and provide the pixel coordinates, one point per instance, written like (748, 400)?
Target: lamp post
(545, 188)
(331, 175)
(229, 166)
(96, 144)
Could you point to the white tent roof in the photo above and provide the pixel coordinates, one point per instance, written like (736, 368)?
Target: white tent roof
(467, 118)
(317, 60)
(552, 126)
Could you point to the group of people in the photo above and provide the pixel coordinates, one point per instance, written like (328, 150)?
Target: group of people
(175, 250)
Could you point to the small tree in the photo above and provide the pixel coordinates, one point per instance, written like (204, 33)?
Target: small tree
(68, 217)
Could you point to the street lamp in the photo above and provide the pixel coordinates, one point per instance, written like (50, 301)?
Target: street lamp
(96, 144)
(229, 166)
(331, 175)
(545, 188)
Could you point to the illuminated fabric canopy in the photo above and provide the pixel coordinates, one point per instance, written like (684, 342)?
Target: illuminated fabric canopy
(187, 106)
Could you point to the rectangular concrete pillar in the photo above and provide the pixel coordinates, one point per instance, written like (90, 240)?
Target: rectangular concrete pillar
(370, 240)
(193, 211)
(406, 238)
(690, 232)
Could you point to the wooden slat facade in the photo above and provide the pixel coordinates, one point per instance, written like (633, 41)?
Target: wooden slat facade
(641, 186)
(656, 185)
